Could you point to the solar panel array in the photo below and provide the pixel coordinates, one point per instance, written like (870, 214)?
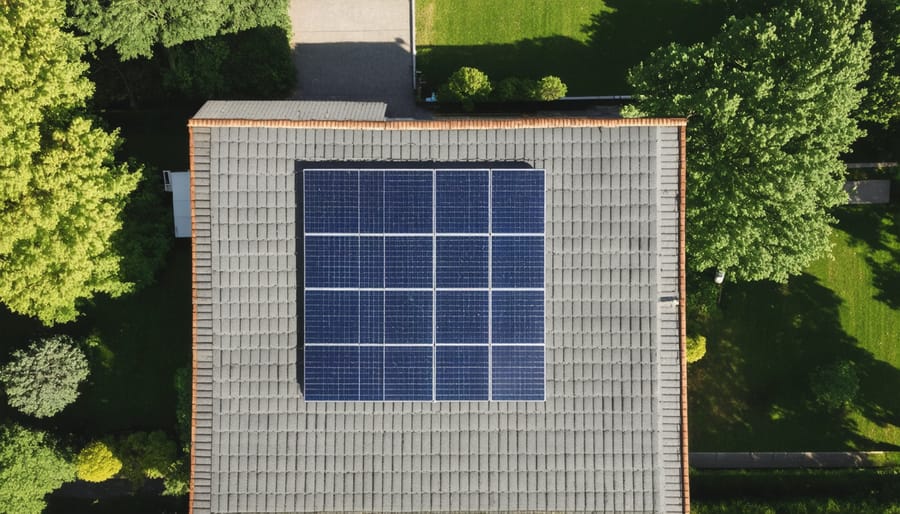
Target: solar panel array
(423, 284)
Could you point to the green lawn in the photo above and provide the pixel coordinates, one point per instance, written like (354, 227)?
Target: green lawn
(590, 44)
(751, 391)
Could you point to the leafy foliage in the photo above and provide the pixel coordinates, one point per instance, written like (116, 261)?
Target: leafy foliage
(255, 63)
(146, 234)
(145, 455)
(882, 101)
(549, 88)
(696, 348)
(466, 85)
(97, 463)
(769, 103)
(60, 189)
(178, 478)
(30, 467)
(183, 407)
(834, 386)
(44, 379)
(134, 28)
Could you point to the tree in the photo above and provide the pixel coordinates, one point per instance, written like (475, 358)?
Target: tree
(60, 189)
(31, 466)
(44, 379)
(134, 28)
(769, 105)
(882, 101)
(466, 85)
(97, 463)
(146, 455)
(696, 348)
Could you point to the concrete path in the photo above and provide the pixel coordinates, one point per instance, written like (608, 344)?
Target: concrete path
(354, 50)
(780, 460)
(868, 191)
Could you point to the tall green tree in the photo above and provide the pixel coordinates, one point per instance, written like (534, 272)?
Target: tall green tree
(882, 102)
(769, 103)
(61, 192)
(134, 28)
(31, 466)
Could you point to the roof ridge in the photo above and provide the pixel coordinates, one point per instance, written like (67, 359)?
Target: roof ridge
(444, 124)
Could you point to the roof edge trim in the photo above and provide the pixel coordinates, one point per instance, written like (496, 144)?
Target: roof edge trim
(445, 124)
(193, 456)
(682, 336)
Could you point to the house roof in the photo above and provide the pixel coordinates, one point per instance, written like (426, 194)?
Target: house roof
(611, 435)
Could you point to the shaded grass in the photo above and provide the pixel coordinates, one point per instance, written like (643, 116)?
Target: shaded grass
(751, 391)
(590, 44)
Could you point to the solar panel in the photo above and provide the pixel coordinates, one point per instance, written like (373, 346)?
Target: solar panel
(423, 285)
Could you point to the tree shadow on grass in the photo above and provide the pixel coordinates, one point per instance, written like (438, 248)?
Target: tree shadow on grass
(878, 228)
(617, 38)
(751, 391)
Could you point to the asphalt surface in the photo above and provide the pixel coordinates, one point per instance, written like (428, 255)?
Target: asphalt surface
(354, 50)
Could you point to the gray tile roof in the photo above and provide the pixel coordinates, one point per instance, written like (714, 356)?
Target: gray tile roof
(608, 438)
(293, 110)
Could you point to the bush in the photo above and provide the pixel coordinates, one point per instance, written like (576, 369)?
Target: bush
(146, 455)
(549, 88)
(183, 407)
(44, 379)
(834, 386)
(696, 348)
(30, 467)
(178, 478)
(466, 85)
(97, 463)
(514, 89)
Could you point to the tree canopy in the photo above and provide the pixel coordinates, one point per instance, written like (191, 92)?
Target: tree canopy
(44, 379)
(61, 193)
(134, 28)
(882, 102)
(769, 103)
(30, 467)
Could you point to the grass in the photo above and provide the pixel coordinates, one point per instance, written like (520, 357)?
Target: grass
(751, 391)
(589, 44)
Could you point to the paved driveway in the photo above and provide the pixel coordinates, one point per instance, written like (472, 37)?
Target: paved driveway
(354, 50)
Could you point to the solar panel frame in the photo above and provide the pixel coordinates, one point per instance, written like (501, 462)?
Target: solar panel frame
(410, 298)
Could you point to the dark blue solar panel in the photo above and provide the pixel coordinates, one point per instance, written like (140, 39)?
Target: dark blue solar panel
(371, 261)
(331, 317)
(517, 317)
(330, 201)
(408, 201)
(371, 201)
(517, 373)
(517, 202)
(462, 261)
(408, 373)
(518, 261)
(408, 261)
(462, 317)
(332, 261)
(461, 373)
(462, 201)
(371, 317)
(407, 317)
(376, 340)
(332, 372)
(371, 373)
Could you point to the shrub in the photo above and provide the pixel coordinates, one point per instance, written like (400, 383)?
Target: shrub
(146, 455)
(549, 88)
(97, 463)
(183, 407)
(696, 348)
(514, 89)
(834, 386)
(466, 85)
(178, 478)
(44, 379)
(30, 467)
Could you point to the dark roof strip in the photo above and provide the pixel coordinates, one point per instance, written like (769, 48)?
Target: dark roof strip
(682, 293)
